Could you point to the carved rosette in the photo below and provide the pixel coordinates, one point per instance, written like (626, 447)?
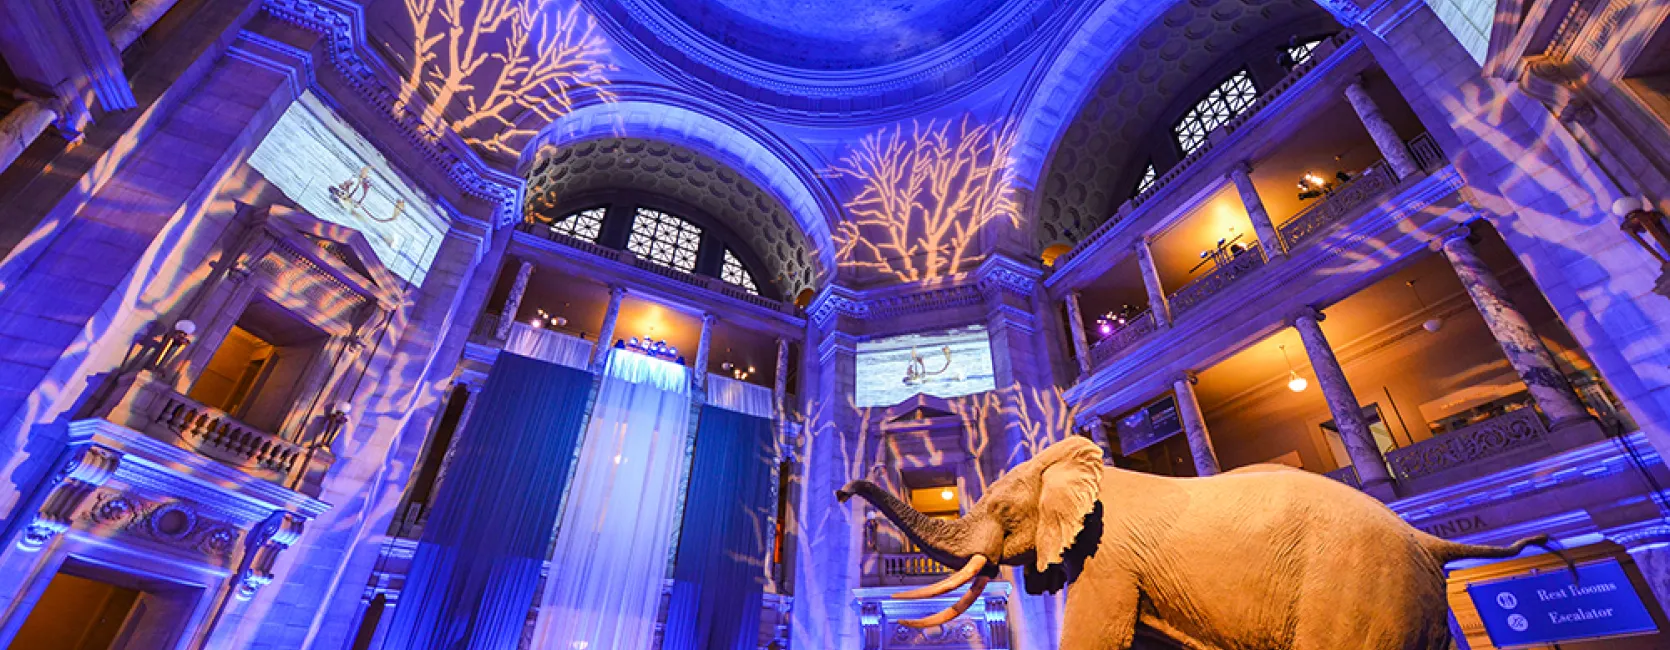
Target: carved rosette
(176, 524)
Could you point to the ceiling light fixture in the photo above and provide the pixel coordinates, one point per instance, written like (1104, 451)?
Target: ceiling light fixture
(1431, 324)
(1295, 383)
(947, 494)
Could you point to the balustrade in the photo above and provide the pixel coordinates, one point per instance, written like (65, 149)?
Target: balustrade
(1515, 431)
(1123, 338)
(901, 568)
(1331, 209)
(1205, 287)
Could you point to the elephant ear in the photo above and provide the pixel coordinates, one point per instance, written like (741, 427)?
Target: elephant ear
(1071, 483)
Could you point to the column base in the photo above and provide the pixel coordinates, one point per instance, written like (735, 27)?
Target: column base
(1385, 491)
(1575, 432)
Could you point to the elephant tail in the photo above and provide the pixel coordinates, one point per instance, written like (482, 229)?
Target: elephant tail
(1448, 551)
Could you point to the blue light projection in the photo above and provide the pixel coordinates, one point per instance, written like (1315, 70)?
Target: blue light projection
(832, 35)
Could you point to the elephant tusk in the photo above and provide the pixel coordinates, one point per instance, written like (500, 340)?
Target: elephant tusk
(955, 610)
(969, 570)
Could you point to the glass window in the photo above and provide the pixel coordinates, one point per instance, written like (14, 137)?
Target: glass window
(734, 273)
(1218, 107)
(1148, 177)
(1300, 53)
(585, 224)
(665, 239)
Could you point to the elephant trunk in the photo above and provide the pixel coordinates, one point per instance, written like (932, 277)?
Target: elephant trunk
(939, 537)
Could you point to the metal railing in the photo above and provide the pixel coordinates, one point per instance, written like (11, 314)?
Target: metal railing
(1205, 287)
(1517, 430)
(1331, 209)
(1123, 338)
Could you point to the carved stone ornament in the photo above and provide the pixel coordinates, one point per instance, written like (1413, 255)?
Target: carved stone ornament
(261, 549)
(84, 469)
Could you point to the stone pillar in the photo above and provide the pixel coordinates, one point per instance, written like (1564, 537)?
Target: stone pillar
(472, 391)
(1524, 350)
(513, 303)
(1075, 321)
(606, 335)
(1385, 137)
(1342, 404)
(1151, 281)
(1194, 425)
(780, 386)
(1262, 226)
(1099, 434)
(702, 347)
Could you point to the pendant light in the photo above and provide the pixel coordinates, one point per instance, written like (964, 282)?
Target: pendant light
(1295, 383)
(1431, 324)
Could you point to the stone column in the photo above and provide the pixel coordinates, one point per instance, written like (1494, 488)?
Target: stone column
(606, 336)
(780, 386)
(1194, 425)
(1524, 350)
(1151, 281)
(513, 303)
(1099, 434)
(1075, 321)
(472, 391)
(1359, 442)
(1262, 226)
(1385, 137)
(702, 347)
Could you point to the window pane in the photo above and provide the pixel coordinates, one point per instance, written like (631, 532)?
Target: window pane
(1220, 106)
(585, 224)
(1297, 54)
(665, 239)
(734, 272)
(1147, 180)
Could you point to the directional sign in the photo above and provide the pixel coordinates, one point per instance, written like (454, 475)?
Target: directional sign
(1548, 607)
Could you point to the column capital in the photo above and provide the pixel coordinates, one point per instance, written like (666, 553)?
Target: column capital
(1354, 80)
(527, 265)
(1458, 234)
(616, 292)
(709, 318)
(1189, 376)
(1308, 311)
(1240, 169)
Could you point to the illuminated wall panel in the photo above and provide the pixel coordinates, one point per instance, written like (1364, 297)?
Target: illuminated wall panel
(942, 364)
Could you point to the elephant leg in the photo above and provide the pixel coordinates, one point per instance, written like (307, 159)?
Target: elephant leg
(1101, 613)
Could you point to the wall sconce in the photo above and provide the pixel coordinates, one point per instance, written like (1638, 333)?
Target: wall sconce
(1643, 221)
(1295, 383)
(172, 344)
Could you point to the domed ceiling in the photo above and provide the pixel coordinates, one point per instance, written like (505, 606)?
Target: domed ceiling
(831, 35)
(851, 60)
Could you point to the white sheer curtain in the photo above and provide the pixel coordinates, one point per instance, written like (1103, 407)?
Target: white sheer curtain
(546, 345)
(740, 396)
(617, 524)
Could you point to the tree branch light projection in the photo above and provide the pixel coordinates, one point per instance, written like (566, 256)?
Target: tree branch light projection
(924, 194)
(491, 69)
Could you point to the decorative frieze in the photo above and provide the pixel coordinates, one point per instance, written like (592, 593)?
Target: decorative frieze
(178, 524)
(1520, 430)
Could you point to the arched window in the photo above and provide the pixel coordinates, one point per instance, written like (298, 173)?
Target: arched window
(1220, 106)
(735, 273)
(665, 239)
(1298, 53)
(585, 224)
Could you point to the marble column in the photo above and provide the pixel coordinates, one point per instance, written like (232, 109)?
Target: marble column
(780, 386)
(1524, 350)
(702, 346)
(1385, 137)
(513, 303)
(1151, 281)
(606, 335)
(1353, 429)
(1194, 425)
(1075, 322)
(1262, 226)
(1099, 434)
(472, 393)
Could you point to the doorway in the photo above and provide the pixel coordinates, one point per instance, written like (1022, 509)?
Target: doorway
(91, 607)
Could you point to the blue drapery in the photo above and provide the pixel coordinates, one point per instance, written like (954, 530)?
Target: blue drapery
(720, 571)
(473, 575)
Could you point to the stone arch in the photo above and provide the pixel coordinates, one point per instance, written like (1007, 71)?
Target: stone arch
(753, 153)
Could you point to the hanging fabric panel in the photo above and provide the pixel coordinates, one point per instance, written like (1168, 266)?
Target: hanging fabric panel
(636, 368)
(547, 345)
(477, 564)
(740, 396)
(610, 559)
(720, 571)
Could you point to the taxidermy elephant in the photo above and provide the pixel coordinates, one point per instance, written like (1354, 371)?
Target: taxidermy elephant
(1260, 558)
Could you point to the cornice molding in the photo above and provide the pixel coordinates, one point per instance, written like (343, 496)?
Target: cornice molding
(996, 278)
(342, 28)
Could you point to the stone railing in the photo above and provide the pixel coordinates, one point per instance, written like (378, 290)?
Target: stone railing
(899, 568)
(1331, 209)
(1265, 98)
(1205, 287)
(1520, 430)
(1122, 339)
(146, 404)
(1346, 475)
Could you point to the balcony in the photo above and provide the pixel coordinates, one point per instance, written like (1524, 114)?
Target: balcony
(1123, 338)
(1215, 282)
(1494, 444)
(143, 402)
(1366, 187)
(910, 568)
